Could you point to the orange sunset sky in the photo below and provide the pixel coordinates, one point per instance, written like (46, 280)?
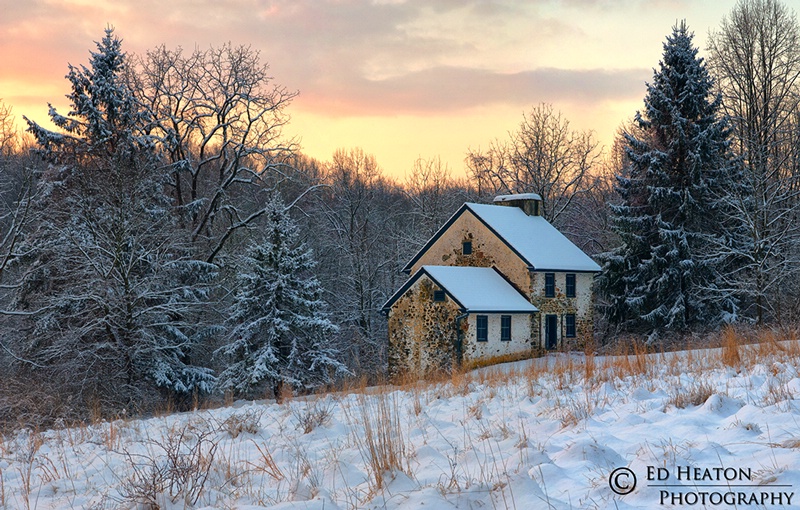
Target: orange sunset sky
(401, 79)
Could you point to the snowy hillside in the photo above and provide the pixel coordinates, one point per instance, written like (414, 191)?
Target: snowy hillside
(697, 429)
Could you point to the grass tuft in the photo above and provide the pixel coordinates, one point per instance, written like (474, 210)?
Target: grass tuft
(730, 347)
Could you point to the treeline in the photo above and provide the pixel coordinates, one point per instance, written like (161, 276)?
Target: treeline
(168, 242)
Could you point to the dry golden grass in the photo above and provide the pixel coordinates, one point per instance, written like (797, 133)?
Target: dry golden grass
(110, 432)
(460, 381)
(630, 358)
(376, 427)
(496, 377)
(730, 347)
(589, 369)
(695, 395)
(738, 348)
(241, 423)
(476, 410)
(267, 464)
(792, 347)
(418, 400)
(532, 375)
(404, 378)
(778, 392)
(793, 443)
(564, 372)
(494, 360)
(767, 344)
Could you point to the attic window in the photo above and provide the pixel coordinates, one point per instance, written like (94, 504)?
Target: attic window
(466, 248)
(438, 296)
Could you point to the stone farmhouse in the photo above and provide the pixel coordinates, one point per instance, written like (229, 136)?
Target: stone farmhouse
(496, 282)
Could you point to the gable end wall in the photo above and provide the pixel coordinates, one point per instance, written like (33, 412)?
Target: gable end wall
(422, 333)
(487, 251)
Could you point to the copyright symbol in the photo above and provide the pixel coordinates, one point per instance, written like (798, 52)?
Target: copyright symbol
(622, 481)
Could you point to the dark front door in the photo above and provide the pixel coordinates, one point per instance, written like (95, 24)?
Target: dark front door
(550, 332)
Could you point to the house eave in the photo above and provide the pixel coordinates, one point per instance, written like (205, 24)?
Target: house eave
(504, 312)
(562, 270)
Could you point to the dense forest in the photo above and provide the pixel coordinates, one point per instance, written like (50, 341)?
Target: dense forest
(167, 242)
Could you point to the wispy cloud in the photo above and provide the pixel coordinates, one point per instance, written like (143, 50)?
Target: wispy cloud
(448, 89)
(346, 57)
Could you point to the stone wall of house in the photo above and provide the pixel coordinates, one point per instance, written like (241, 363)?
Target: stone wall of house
(520, 342)
(560, 305)
(422, 333)
(487, 251)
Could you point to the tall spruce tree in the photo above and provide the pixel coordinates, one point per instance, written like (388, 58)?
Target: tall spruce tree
(677, 173)
(110, 292)
(281, 332)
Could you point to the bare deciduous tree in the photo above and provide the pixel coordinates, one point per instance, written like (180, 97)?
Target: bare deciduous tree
(543, 156)
(219, 120)
(8, 133)
(755, 57)
(434, 194)
(17, 186)
(361, 253)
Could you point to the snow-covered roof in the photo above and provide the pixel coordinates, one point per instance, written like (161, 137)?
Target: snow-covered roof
(535, 239)
(479, 289)
(538, 243)
(474, 289)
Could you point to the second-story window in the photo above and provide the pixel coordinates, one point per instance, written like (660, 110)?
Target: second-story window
(438, 296)
(549, 285)
(570, 287)
(466, 248)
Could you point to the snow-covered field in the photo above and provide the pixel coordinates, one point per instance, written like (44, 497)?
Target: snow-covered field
(546, 433)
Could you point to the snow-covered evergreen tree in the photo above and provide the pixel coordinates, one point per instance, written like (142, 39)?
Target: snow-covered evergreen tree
(110, 291)
(679, 169)
(281, 332)
(104, 122)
